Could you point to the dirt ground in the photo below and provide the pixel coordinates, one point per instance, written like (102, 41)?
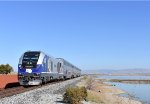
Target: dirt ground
(7, 79)
(102, 93)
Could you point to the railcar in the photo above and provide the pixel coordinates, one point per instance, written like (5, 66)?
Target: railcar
(36, 67)
(69, 70)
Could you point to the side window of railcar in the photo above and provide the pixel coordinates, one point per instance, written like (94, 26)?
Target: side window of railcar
(58, 67)
(60, 64)
(49, 65)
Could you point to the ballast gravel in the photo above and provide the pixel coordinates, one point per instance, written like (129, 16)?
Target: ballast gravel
(50, 94)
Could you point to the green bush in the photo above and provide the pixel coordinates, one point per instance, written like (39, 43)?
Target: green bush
(85, 77)
(5, 69)
(83, 93)
(75, 94)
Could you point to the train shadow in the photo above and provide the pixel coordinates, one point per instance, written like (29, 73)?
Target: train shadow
(11, 85)
(61, 102)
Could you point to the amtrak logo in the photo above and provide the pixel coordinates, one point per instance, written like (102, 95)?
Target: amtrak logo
(28, 70)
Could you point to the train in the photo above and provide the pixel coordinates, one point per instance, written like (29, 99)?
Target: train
(37, 68)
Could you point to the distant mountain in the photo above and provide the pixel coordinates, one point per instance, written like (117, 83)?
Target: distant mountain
(123, 71)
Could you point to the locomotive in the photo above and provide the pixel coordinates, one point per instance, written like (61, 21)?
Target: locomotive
(36, 68)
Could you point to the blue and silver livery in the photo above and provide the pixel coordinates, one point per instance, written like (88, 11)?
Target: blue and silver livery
(35, 68)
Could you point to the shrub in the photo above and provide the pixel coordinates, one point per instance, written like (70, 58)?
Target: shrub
(75, 94)
(5, 69)
(83, 93)
(85, 77)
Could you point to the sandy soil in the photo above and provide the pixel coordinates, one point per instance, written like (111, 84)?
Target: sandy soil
(5, 79)
(101, 93)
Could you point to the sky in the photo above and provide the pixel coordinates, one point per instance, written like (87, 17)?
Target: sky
(92, 35)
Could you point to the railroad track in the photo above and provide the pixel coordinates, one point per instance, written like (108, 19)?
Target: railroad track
(11, 91)
(20, 89)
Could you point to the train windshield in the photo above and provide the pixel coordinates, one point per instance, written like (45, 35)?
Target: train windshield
(30, 59)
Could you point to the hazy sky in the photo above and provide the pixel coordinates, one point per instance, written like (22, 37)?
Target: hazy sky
(91, 35)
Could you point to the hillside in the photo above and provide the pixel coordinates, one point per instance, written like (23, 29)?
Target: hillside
(113, 71)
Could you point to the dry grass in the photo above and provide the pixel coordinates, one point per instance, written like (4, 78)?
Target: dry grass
(103, 88)
(94, 97)
(102, 93)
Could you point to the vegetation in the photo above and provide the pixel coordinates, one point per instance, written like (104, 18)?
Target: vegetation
(85, 77)
(90, 82)
(75, 94)
(5, 69)
(95, 97)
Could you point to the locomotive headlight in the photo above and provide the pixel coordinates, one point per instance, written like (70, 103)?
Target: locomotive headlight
(20, 75)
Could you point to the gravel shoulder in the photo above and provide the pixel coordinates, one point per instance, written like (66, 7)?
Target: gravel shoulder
(51, 94)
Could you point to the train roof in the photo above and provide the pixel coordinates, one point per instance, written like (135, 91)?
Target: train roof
(50, 57)
(68, 62)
